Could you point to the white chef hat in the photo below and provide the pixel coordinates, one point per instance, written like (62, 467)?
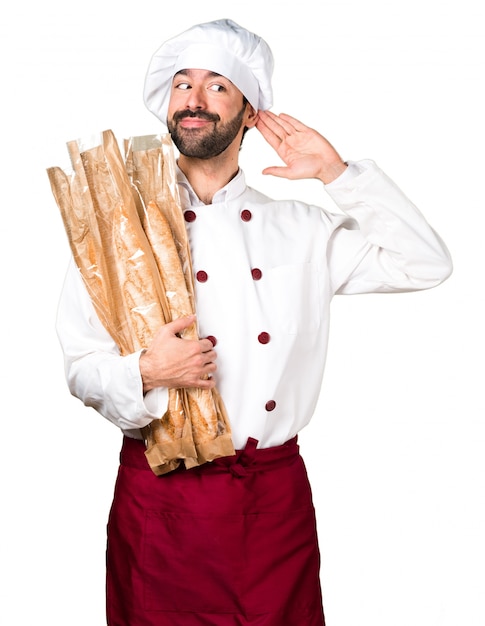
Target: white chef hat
(221, 46)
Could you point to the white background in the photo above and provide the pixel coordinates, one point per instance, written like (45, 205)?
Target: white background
(395, 451)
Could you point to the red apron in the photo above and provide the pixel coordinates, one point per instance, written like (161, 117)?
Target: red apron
(230, 543)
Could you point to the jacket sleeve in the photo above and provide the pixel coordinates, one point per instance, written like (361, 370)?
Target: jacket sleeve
(385, 244)
(96, 373)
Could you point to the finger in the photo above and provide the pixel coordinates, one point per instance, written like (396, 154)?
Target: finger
(287, 124)
(274, 124)
(180, 324)
(205, 383)
(269, 135)
(208, 358)
(284, 124)
(293, 122)
(206, 346)
(210, 369)
(204, 378)
(279, 171)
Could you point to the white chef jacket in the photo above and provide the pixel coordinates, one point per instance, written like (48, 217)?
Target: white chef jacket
(265, 273)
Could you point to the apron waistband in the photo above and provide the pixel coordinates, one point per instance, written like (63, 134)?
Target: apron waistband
(249, 459)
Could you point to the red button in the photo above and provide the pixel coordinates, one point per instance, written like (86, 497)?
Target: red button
(270, 405)
(190, 216)
(264, 338)
(212, 339)
(201, 276)
(256, 273)
(246, 215)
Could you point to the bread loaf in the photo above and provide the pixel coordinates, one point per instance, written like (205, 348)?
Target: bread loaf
(127, 234)
(153, 176)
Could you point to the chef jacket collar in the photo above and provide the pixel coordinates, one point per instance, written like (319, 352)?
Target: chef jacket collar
(232, 190)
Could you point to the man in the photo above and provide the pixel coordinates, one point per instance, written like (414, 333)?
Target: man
(233, 542)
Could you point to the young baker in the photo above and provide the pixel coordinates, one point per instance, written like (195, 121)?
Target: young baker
(233, 542)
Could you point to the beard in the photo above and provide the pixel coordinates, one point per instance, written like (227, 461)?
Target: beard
(203, 143)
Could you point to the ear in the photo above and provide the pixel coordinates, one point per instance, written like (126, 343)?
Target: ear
(250, 116)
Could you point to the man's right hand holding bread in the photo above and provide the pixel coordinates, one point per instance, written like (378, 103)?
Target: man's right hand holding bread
(173, 362)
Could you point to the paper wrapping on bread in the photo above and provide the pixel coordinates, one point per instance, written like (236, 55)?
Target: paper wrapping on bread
(127, 234)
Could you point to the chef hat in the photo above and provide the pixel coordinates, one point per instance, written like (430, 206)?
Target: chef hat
(221, 46)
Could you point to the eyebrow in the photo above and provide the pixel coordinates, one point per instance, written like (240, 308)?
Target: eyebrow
(186, 72)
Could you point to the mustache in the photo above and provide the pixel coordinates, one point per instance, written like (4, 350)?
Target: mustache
(204, 115)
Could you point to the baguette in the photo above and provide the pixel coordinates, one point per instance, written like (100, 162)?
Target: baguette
(83, 239)
(127, 234)
(115, 259)
(151, 166)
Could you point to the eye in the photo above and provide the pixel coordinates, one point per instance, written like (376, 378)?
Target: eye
(182, 86)
(217, 87)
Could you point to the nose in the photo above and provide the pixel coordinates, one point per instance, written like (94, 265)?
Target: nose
(196, 99)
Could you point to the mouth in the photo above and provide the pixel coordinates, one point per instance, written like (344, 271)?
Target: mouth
(193, 122)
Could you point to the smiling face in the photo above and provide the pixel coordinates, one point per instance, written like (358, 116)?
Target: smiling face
(206, 113)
